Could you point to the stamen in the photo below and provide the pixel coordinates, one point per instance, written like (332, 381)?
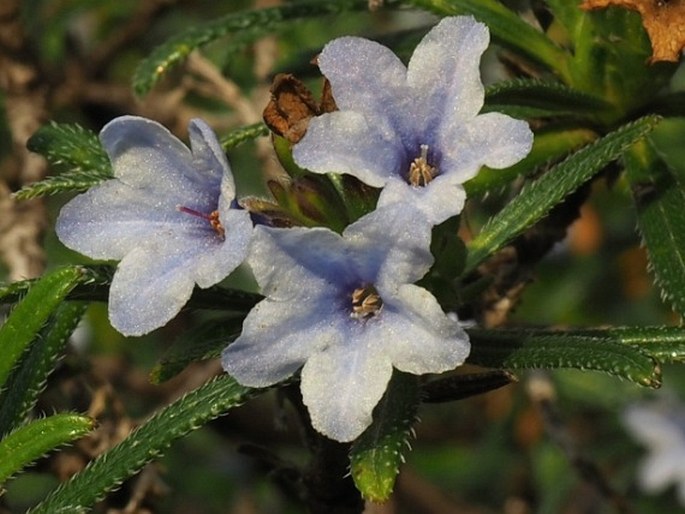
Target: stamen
(420, 172)
(212, 218)
(366, 302)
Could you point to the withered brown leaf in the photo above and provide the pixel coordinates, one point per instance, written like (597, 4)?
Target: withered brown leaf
(664, 21)
(292, 105)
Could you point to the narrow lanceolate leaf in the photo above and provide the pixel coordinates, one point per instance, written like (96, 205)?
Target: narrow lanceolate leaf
(507, 29)
(665, 344)
(376, 455)
(539, 197)
(28, 379)
(461, 386)
(145, 444)
(247, 26)
(32, 441)
(544, 98)
(659, 194)
(548, 146)
(73, 150)
(522, 349)
(243, 134)
(31, 313)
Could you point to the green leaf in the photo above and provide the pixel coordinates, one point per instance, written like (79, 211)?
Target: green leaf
(548, 349)
(28, 379)
(31, 313)
(461, 386)
(539, 197)
(146, 443)
(665, 344)
(243, 134)
(507, 29)
(659, 195)
(202, 343)
(376, 455)
(548, 146)
(74, 150)
(34, 440)
(245, 27)
(543, 98)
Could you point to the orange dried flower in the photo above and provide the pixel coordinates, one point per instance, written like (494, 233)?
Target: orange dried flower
(664, 21)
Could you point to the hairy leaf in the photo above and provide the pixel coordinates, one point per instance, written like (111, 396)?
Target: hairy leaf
(245, 26)
(544, 98)
(243, 134)
(548, 349)
(31, 313)
(146, 443)
(659, 194)
(376, 455)
(540, 196)
(28, 379)
(32, 441)
(74, 150)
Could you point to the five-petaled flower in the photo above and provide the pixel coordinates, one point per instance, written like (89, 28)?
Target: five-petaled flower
(345, 309)
(168, 215)
(415, 131)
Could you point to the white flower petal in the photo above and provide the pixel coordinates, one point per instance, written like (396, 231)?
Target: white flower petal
(439, 200)
(146, 155)
(444, 72)
(112, 218)
(277, 339)
(417, 335)
(390, 245)
(295, 263)
(342, 385)
(368, 78)
(209, 160)
(344, 142)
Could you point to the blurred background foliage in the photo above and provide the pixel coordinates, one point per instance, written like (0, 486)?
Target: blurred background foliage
(503, 452)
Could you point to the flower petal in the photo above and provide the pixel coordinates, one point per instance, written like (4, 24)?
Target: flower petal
(344, 142)
(444, 73)
(112, 219)
(439, 200)
(341, 386)
(209, 159)
(277, 339)
(368, 78)
(390, 245)
(296, 262)
(417, 335)
(491, 139)
(146, 155)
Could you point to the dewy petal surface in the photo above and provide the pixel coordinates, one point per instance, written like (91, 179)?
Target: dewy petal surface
(155, 216)
(309, 318)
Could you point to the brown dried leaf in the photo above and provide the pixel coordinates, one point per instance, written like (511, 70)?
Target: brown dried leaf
(292, 105)
(664, 21)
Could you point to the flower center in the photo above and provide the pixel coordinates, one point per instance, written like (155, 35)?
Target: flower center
(420, 171)
(366, 302)
(212, 218)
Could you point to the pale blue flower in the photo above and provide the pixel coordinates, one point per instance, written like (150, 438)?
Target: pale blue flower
(346, 309)
(168, 215)
(415, 131)
(660, 426)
